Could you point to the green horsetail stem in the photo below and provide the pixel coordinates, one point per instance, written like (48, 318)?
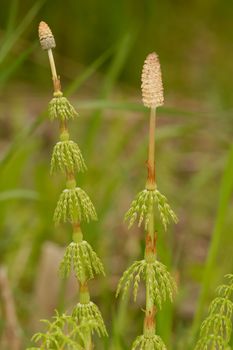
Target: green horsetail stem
(71, 331)
(159, 284)
(216, 330)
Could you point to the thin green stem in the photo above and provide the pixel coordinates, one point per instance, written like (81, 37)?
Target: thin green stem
(79, 253)
(150, 249)
(150, 185)
(52, 64)
(150, 256)
(84, 298)
(84, 295)
(56, 80)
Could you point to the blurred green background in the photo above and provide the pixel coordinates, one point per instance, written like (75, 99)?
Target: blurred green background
(101, 47)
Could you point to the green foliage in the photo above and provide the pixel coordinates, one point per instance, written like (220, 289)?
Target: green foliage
(223, 306)
(213, 342)
(218, 240)
(140, 208)
(148, 343)
(64, 332)
(67, 157)
(74, 205)
(61, 108)
(13, 35)
(192, 129)
(160, 283)
(86, 313)
(216, 330)
(83, 259)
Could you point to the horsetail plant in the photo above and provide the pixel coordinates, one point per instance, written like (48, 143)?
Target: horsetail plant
(216, 329)
(160, 286)
(72, 331)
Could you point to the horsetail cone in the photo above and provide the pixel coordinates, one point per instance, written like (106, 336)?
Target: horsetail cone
(152, 86)
(59, 106)
(46, 37)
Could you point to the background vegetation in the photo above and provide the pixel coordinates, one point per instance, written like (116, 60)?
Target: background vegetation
(100, 50)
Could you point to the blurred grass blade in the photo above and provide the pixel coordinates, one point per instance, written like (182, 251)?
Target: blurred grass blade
(226, 190)
(113, 73)
(11, 68)
(118, 63)
(12, 39)
(19, 139)
(18, 194)
(119, 324)
(131, 106)
(91, 69)
(12, 17)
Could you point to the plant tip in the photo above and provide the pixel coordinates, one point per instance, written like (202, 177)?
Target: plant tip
(46, 37)
(152, 86)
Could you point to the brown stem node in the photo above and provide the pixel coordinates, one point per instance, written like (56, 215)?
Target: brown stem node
(149, 321)
(150, 245)
(56, 84)
(150, 174)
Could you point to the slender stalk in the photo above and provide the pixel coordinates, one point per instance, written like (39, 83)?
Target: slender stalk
(150, 243)
(150, 256)
(84, 298)
(159, 284)
(74, 206)
(52, 64)
(84, 295)
(55, 78)
(151, 151)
